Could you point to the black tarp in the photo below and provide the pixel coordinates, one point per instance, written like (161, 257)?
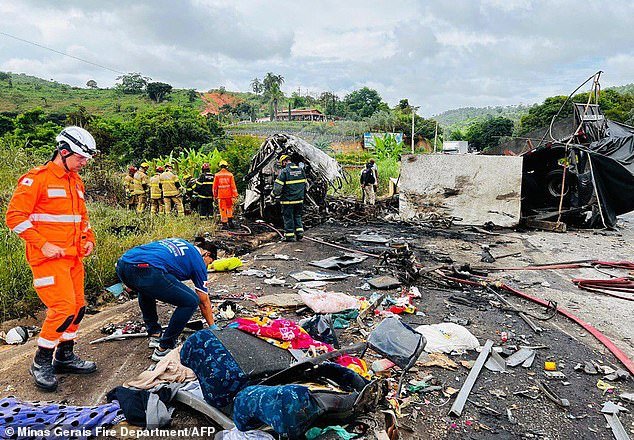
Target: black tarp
(600, 169)
(612, 161)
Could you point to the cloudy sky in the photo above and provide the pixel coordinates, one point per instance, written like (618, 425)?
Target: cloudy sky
(438, 54)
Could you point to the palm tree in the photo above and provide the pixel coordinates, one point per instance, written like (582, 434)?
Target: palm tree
(257, 86)
(275, 94)
(272, 90)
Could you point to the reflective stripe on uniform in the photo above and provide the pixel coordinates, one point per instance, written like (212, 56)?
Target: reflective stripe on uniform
(279, 181)
(291, 202)
(290, 234)
(45, 343)
(55, 218)
(44, 281)
(299, 229)
(56, 192)
(291, 182)
(66, 336)
(26, 224)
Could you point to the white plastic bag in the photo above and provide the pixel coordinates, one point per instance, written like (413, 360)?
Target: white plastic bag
(447, 337)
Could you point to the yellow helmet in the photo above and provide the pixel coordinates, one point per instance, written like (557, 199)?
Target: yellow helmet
(145, 165)
(283, 157)
(223, 163)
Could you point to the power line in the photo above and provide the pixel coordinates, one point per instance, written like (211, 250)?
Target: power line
(61, 53)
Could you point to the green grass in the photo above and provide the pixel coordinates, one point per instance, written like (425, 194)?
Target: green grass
(17, 296)
(388, 168)
(28, 92)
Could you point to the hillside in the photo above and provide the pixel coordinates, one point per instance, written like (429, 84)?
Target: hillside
(215, 100)
(461, 118)
(627, 88)
(26, 92)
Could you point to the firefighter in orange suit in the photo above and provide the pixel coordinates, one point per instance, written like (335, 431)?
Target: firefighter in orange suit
(48, 212)
(225, 192)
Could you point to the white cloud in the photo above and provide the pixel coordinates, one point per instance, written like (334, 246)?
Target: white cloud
(438, 54)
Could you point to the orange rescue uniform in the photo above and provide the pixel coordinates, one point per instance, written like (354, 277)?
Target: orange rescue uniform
(48, 206)
(225, 191)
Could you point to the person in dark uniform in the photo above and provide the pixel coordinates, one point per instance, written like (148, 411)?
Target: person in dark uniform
(203, 192)
(188, 198)
(289, 188)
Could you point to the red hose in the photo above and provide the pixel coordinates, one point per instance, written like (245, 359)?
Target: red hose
(616, 351)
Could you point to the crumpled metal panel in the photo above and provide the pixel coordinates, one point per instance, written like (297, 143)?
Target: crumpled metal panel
(322, 171)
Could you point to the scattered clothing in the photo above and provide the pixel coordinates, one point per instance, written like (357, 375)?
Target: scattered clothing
(313, 395)
(287, 334)
(39, 416)
(146, 408)
(280, 332)
(168, 370)
(288, 409)
(218, 373)
(314, 433)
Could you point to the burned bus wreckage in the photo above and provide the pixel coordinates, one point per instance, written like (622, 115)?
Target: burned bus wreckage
(585, 179)
(322, 173)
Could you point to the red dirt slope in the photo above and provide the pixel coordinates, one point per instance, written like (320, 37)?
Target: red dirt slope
(215, 100)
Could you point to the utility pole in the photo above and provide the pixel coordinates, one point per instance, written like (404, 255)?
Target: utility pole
(435, 136)
(413, 116)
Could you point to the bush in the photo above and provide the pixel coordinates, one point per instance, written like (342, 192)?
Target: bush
(116, 231)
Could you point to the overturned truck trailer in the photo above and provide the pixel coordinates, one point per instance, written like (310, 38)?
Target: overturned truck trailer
(322, 172)
(585, 179)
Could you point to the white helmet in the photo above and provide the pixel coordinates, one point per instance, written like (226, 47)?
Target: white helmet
(78, 140)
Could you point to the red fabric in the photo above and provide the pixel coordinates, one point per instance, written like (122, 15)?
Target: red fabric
(282, 330)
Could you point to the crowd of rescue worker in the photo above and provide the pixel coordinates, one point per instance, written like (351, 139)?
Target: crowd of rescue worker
(48, 211)
(164, 193)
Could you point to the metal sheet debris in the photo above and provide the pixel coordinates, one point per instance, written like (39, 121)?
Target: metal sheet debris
(611, 411)
(461, 399)
(309, 275)
(322, 172)
(384, 282)
(472, 189)
(339, 262)
(496, 363)
(519, 357)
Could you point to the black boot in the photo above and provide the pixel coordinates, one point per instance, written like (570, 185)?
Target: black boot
(42, 369)
(68, 362)
(231, 224)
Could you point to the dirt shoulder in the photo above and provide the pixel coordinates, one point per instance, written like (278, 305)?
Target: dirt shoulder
(423, 415)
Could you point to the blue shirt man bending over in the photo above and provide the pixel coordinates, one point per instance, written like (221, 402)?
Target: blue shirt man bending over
(156, 271)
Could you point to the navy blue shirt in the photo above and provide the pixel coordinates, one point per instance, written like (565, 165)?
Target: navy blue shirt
(174, 256)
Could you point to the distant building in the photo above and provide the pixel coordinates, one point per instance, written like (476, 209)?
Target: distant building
(455, 147)
(300, 114)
